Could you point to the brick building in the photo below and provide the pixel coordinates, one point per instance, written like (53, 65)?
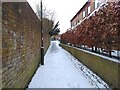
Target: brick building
(87, 8)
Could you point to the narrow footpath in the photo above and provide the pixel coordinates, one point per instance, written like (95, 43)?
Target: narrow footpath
(62, 70)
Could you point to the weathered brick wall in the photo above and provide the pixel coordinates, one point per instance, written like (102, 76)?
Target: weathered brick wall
(0, 46)
(46, 41)
(20, 44)
(47, 26)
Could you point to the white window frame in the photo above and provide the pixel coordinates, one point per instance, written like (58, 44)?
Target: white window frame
(80, 21)
(83, 13)
(96, 3)
(89, 10)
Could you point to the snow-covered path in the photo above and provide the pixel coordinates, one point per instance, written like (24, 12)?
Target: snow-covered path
(61, 70)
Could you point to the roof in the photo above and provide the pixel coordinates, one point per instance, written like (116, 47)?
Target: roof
(80, 10)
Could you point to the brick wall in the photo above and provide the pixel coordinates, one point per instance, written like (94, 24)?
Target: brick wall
(46, 42)
(20, 44)
(92, 6)
(106, 69)
(0, 46)
(47, 26)
(79, 17)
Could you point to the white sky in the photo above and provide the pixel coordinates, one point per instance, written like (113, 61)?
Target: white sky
(64, 10)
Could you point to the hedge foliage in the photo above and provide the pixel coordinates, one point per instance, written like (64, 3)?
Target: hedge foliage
(100, 29)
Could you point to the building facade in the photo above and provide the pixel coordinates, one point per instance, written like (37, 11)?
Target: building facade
(86, 10)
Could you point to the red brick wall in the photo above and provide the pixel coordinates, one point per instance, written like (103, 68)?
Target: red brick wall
(85, 8)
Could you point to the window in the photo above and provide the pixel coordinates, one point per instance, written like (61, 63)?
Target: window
(83, 14)
(96, 4)
(89, 10)
(74, 23)
(80, 21)
(71, 24)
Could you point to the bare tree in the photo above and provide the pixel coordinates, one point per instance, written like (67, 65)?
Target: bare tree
(48, 20)
(47, 23)
(48, 14)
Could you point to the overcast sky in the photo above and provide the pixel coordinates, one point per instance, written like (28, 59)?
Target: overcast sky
(64, 10)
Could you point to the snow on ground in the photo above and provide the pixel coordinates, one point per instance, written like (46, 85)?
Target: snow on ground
(61, 70)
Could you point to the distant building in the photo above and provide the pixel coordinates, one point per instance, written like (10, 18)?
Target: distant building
(87, 9)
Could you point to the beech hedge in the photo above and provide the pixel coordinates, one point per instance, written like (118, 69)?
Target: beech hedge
(100, 29)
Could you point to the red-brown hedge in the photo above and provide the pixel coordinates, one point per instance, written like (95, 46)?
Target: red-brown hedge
(100, 29)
